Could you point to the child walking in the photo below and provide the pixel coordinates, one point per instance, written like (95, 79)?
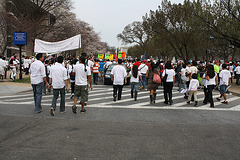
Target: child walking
(135, 76)
(194, 84)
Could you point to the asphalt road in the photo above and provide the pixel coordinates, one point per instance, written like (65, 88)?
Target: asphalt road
(120, 130)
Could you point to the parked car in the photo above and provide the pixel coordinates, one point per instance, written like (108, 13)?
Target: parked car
(107, 74)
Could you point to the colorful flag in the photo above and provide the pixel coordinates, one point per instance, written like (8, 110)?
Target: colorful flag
(111, 57)
(102, 56)
(115, 56)
(144, 56)
(106, 56)
(123, 54)
(99, 55)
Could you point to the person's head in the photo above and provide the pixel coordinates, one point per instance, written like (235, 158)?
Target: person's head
(168, 65)
(39, 56)
(188, 64)
(47, 62)
(194, 63)
(153, 65)
(82, 59)
(144, 61)
(184, 65)
(210, 71)
(4, 58)
(135, 71)
(224, 66)
(60, 59)
(194, 76)
(1, 57)
(84, 54)
(119, 61)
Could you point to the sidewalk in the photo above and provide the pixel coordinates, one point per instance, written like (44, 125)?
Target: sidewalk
(7, 87)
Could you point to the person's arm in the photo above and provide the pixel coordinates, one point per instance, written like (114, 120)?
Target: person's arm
(66, 84)
(147, 73)
(125, 79)
(141, 78)
(50, 83)
(90, 81)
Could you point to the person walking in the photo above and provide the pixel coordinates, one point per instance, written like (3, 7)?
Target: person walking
(72, 76)
(95, 69)
(134, 80)
(38, 74)
(13, 68)
(82, 74)
(192, 89)
(118, 75)
(2, 68)
(152, 86)
(237, 71)
(225, 77)
(168, 85)
(58, 81)
(143, 68)
(211, 78)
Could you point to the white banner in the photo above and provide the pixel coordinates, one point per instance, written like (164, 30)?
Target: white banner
(57, 47)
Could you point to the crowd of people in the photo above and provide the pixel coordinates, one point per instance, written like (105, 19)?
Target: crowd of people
(53, 76)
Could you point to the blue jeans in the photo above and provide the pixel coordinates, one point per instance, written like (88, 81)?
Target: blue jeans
(37, 94)
(95, 78)
(144, 81)
(134, 86)
(55, 97)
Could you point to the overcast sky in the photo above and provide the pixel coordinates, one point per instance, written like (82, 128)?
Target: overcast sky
(109, 17)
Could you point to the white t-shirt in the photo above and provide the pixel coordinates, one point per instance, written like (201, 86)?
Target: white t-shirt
(81, 76)
(194, 83)
(237, 69)
(58, 74)
(212, 81)
(204, 81)
(37, 70)
(231, 68)
(143, 68)
(224, 77)
(183, 76)
(193, 69)
(171, 73)
(133, 79)
(119, 73)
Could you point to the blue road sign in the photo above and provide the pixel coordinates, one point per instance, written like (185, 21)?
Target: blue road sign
(20, 38)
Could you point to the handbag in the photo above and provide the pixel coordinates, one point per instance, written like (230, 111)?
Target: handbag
(156, 78)
(165, 77)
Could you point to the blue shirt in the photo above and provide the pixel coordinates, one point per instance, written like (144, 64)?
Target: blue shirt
(101, 66)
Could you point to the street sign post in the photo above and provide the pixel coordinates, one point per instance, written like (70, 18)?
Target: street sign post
(20, 39)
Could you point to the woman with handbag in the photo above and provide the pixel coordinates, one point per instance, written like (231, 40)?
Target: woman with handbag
(152, 86)
(168, 82)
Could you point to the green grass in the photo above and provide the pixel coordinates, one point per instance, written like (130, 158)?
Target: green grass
(24, 80)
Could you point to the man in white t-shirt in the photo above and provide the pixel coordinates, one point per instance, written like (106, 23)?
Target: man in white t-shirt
(225, 76)
(2, 67)
(38, 75)
(119, 75)
(58, 81)
(143, 68)
(237, 70)
(82, 77)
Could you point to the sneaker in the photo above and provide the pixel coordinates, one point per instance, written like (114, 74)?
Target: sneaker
(71, 96)
(218, 99)
(225, 102)
(63, 111)
(170, 102)
(74, 109)
(188, 102)
(140, 87)
(52, 112)
(83, 110)
(114, 98)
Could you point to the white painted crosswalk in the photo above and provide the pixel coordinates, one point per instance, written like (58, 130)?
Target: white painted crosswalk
(102, 97)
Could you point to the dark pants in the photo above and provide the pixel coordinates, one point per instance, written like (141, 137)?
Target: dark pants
(55, 97)
(37, 94)
(209, 95)
(72, 87)
(168, 86)
(95, 78)
(205, 95)
(117, 90)
(237, 79)
(5, 76)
